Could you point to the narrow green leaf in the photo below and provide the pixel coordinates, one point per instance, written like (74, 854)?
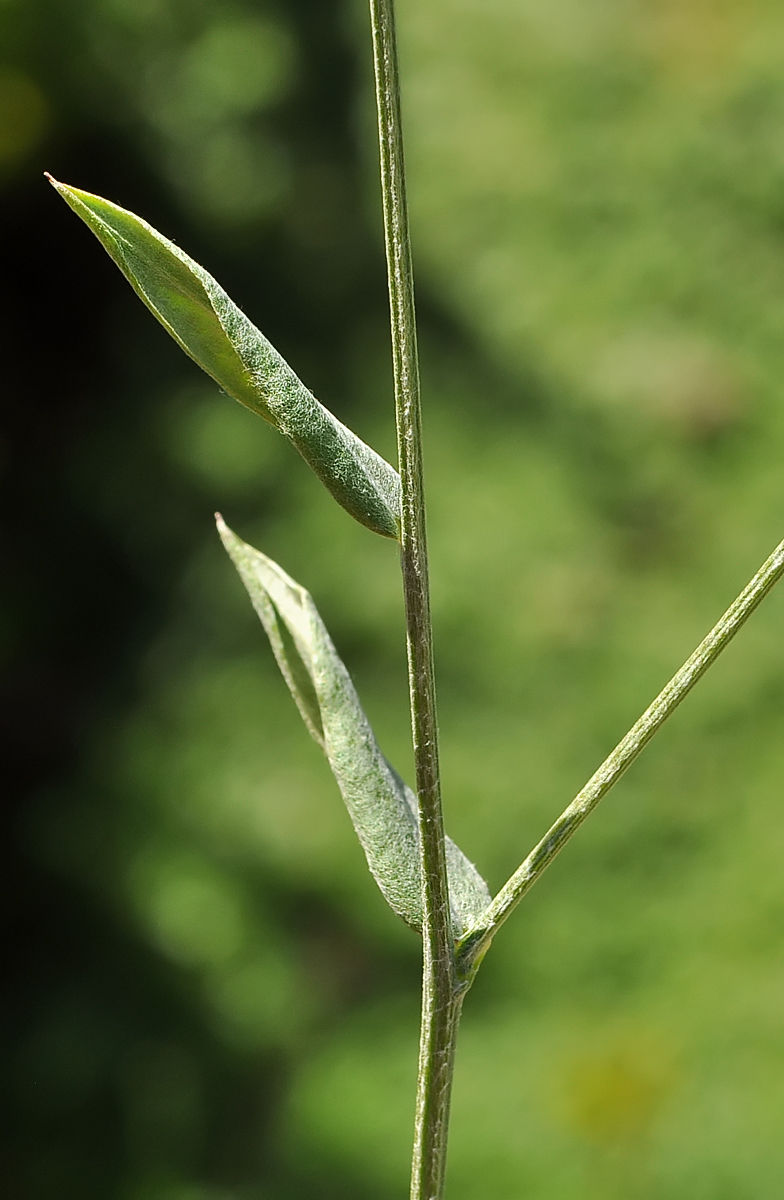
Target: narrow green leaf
(217, 335)
(382, 808)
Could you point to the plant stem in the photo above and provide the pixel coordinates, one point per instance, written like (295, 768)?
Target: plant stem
(440, 1001)
(476, 941)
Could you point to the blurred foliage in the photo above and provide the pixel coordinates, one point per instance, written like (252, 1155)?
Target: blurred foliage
(210, 1000)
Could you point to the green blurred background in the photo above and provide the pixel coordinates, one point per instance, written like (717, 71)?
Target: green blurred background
(209, 999)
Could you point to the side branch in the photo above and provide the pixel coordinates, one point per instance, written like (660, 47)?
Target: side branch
(477, 940)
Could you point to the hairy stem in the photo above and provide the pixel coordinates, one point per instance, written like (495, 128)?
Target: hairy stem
(440, 1003)
(476, 941)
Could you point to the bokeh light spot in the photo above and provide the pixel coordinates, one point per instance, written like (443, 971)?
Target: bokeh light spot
(232, 175)
(219, 441)
(194, 912)
(242, 65)
(258, 1003)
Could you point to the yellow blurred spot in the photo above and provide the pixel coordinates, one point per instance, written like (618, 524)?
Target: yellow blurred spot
(613, 1099)
(568, 601)
(686, 383)
(698, 38)
(24, 115)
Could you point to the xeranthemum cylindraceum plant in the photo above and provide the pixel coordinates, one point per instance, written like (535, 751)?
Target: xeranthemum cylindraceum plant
(422, 874)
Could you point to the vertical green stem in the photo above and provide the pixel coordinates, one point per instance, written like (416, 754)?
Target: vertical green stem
(440, 1001)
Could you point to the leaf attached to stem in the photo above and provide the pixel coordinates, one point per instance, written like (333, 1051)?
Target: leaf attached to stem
(382, 808)
(216, 334)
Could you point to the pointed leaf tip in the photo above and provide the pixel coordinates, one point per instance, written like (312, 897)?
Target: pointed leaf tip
(382, 808)
(216, 334)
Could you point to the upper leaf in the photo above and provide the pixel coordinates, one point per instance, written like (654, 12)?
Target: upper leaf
(217, 335)
(382, 808)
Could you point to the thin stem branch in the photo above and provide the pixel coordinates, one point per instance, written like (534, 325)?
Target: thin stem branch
(476, 941)
(440, 1006)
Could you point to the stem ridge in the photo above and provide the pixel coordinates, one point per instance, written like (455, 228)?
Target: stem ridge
(440, 998)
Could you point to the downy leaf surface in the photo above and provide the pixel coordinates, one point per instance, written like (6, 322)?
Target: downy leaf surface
(209, 327)
(382, 808)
